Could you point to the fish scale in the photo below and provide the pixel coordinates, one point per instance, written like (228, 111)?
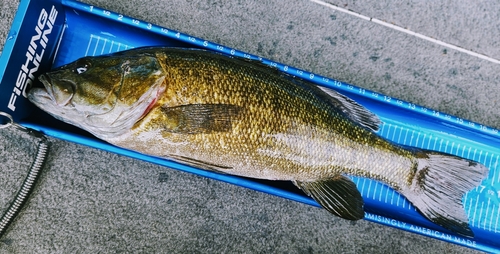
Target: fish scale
(285, 104)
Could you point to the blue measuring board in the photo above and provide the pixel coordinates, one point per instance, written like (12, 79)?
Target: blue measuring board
(91, 31)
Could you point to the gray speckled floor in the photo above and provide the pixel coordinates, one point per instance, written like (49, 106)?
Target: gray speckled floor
(93, 201)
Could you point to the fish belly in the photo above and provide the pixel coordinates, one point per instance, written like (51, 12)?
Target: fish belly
(274, 156)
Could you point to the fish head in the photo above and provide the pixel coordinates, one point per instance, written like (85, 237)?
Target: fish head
(105, 95)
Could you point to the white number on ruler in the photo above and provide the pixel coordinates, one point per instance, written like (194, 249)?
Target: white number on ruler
(362, 91)
(411, 106)
(150, 26)
(91, 8)
(136, 22)
(205, 43)
(165, 31)
(219, 47)
(105, 12)
(326, 80)
(120, 17)
(387, 98)
(191, 39)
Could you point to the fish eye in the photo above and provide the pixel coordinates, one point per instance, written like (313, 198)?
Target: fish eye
(81, 69)
(82, 66)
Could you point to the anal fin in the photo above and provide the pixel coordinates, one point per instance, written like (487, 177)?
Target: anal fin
(338, 195)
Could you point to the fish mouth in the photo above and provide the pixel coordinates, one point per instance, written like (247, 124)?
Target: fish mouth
(60, 94)
(41, 95)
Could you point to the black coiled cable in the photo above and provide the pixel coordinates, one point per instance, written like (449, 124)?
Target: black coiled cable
(29, 182)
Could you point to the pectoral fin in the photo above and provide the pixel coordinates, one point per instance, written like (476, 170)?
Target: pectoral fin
(337, 195)
(199, 118)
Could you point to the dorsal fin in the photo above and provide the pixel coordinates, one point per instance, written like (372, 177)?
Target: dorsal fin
(348, 107)
(352, 109)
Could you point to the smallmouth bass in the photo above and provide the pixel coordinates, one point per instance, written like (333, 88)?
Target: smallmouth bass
(240, 117)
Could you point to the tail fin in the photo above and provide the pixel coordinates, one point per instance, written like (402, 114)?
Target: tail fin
(438, 185)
